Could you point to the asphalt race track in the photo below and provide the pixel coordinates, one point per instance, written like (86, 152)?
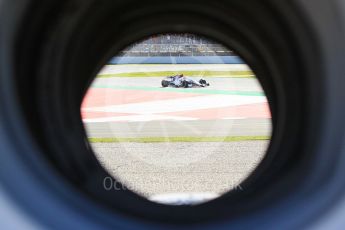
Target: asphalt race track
(139, 107)
(211, 128)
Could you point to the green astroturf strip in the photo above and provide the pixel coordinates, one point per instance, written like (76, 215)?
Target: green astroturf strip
(178, 139)
(182, 90)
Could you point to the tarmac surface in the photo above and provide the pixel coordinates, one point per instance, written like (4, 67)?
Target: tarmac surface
(208, 128)
(235, 123)
(216, 83)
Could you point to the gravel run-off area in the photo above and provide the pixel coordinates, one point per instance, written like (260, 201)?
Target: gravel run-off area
(159, 168)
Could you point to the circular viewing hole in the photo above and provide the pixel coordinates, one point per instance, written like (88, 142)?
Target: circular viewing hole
(178, 119)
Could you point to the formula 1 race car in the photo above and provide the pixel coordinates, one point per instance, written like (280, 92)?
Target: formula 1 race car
(179, 81)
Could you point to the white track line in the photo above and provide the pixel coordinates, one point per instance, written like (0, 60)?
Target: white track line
(181, 104)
